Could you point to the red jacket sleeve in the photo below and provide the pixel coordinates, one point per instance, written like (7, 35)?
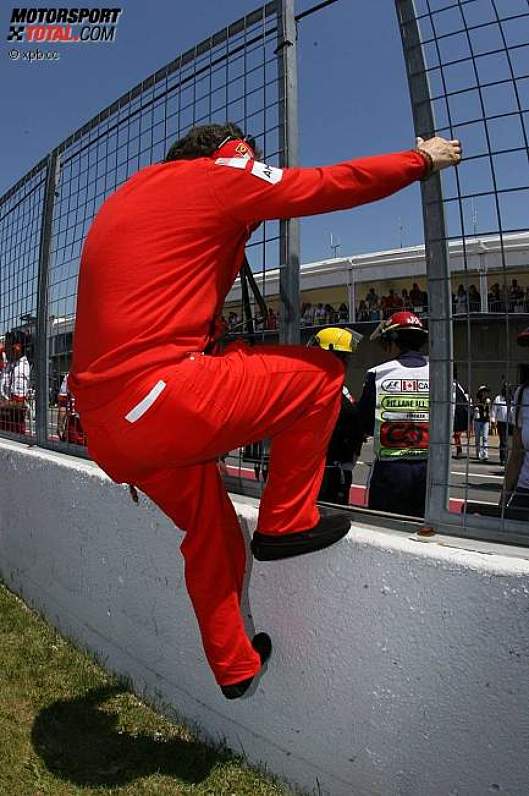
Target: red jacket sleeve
(256, 192)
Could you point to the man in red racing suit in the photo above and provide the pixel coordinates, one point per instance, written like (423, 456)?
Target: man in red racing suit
(157, 264)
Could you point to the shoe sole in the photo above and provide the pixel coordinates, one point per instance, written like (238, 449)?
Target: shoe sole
(266, 547)
(262, 644)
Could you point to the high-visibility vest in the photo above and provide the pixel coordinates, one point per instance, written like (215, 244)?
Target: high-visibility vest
(402, 411)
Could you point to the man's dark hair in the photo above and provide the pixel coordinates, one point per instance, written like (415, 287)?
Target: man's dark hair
(15, 336)
(409, 340)
(203, 140)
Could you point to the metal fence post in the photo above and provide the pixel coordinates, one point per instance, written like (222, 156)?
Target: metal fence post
(289, 327)
(437, 267)
(42, 342)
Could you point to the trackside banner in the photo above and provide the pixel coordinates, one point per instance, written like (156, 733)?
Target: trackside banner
(63, 25)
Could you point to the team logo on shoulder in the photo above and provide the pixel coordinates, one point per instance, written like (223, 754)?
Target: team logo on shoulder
(235, 163)
(270, 174)
(243, 149)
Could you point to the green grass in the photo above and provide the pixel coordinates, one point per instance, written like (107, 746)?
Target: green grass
(67, 727)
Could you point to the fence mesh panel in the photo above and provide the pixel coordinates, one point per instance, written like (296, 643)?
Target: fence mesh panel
(233, 75)
(468, 65)
(475, 64)
(21, 212)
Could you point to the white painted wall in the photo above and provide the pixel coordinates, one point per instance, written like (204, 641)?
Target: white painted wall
(399, 667)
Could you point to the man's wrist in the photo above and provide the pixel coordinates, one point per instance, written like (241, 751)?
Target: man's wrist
(428, 163)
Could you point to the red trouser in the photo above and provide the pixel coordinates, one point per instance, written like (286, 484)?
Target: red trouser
(13, 419)
(211, 405)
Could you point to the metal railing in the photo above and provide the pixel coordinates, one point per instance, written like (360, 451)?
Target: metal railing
(468, 72)
(244, 73)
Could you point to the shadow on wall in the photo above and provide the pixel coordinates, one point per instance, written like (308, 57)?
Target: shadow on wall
(81, 742)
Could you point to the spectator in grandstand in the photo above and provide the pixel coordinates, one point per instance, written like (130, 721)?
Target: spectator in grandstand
(385, 305)
(495, 299)
(345, 443)
(14, 383)
(362, 313)
(526, 299)
(500, 418)
(319, 315)
(392, 302)
(461, 301)
(308, 314)
(331, 316)
(474, 299)
(373, 304)
(516, 489)
(69, 428)
(516, 297)
(416, 296)
(271, 321)
(406, 300)
(158, 410)
(394, 408)
(482, 408)
(343, 313)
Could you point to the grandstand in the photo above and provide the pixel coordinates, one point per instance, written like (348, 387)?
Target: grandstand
(479, 261)
(485, 262)
(347, 280)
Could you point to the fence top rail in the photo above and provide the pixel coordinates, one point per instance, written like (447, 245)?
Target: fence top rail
(40, 166)
(181, 60)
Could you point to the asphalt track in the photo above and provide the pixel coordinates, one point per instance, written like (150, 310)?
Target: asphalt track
(470, 479)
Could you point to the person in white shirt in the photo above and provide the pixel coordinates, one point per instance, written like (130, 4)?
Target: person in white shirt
(14, 383)
(501, 419)
(319, 315)
(516, 487)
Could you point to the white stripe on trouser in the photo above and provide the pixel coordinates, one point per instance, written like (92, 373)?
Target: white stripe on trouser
(137, 411)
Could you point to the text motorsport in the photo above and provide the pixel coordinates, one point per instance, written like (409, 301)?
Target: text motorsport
(63, 25)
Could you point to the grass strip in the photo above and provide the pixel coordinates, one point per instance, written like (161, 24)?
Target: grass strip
(67, 727)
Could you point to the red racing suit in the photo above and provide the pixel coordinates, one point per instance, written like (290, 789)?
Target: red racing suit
(157, 264)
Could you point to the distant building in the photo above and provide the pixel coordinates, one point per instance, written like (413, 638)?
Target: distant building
(347, 280)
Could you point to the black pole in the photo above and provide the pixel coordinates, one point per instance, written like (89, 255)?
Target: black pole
(42, 342)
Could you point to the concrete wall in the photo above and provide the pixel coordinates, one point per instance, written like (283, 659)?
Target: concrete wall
(399, 667)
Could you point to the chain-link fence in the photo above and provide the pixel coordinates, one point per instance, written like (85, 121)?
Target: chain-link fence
(20, 246)
(237, 74)
(468, 70)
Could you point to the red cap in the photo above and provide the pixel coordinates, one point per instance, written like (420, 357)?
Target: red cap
(234, 148)
(405, 319)
(399, 321)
